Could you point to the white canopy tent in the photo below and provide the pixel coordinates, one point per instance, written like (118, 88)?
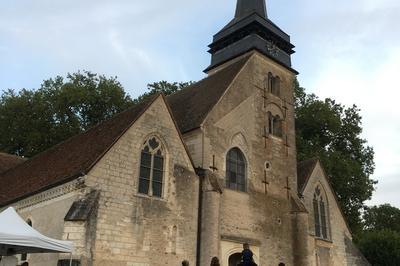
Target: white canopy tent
(17, 237)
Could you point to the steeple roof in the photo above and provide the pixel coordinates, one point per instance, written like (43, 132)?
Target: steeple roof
(250, 29)
(246, 7)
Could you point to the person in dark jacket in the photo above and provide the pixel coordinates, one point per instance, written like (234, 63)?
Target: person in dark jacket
(215, 262)
(247, 256)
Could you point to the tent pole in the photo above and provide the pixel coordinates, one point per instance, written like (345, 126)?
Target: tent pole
(70, 260)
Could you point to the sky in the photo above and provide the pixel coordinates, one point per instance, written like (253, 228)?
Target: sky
(345, 50)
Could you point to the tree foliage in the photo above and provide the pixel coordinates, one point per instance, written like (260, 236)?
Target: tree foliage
(380, 239)
(31, 121)
(163, 87)
(332, 132)
(383, 217)
(381, 247)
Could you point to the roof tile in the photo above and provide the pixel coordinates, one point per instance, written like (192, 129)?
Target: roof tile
(67, 160)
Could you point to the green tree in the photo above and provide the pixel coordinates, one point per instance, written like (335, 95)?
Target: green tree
(32, 121)
(163, 87)
(381, 247)
(383, 217)
(332, 132)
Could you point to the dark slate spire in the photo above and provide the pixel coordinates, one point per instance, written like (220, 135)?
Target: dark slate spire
(250, 30)
(246, 7)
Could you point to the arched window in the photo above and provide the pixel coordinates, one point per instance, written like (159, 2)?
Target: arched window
(270, 82)
(276, 86)
(273, 84)
(274, 125)
(236, 170)
(151, 177)
(320, 214)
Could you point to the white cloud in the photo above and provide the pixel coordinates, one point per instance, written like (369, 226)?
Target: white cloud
(376, 92)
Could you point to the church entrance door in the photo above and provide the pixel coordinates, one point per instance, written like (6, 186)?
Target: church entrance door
(235, 259)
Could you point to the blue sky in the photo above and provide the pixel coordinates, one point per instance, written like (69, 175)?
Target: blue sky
(346, 50)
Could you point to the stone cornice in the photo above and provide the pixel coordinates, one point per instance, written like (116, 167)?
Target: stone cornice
(50, 194)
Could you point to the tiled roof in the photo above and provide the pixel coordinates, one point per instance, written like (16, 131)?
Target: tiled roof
(77, 155)
(8, 161)
(67, 160)
(304, 171)
(190, 106)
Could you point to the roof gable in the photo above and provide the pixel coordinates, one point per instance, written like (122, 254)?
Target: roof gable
(68, 160)
(76, 156)
(323, 179)
(191, 105)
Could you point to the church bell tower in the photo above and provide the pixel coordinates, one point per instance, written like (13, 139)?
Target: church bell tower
(249, 30)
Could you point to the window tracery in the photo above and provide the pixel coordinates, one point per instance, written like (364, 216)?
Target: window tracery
(320, 214)
(151, 176)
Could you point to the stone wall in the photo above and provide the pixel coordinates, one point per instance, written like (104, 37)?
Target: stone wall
(333, 250)
(46, 211)
(261, 215)
(134, 229)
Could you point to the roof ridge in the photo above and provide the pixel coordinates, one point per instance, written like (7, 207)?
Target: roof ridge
(69, 159)
(55, 146)
(247, 57)
(191, 105)
(146, 104)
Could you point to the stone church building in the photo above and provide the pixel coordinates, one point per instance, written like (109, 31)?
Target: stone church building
(193, 175)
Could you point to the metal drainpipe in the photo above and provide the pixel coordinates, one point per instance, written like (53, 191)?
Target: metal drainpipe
(200, 174)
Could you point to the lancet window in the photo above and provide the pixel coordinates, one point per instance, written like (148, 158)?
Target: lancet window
(273, 84)
(320, 214)
(275, 125)
(236, 170)
(151, 176)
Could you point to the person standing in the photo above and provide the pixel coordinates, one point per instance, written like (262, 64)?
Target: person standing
(247, 256)
(215, 262)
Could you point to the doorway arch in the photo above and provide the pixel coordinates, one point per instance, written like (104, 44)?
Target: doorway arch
(235, 259)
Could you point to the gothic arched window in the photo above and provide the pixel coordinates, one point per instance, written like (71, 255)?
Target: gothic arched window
(276, 86)
(274, 125)
(236, 170)
(270, 82)
(273, 84)
(151, 177)
(320, 214)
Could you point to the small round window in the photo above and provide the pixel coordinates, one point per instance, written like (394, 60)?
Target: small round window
(268, 166)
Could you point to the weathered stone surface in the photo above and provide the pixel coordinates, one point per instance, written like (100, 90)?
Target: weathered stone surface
(134, 229)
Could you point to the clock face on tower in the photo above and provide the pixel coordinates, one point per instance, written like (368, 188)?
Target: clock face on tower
(273, 49)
